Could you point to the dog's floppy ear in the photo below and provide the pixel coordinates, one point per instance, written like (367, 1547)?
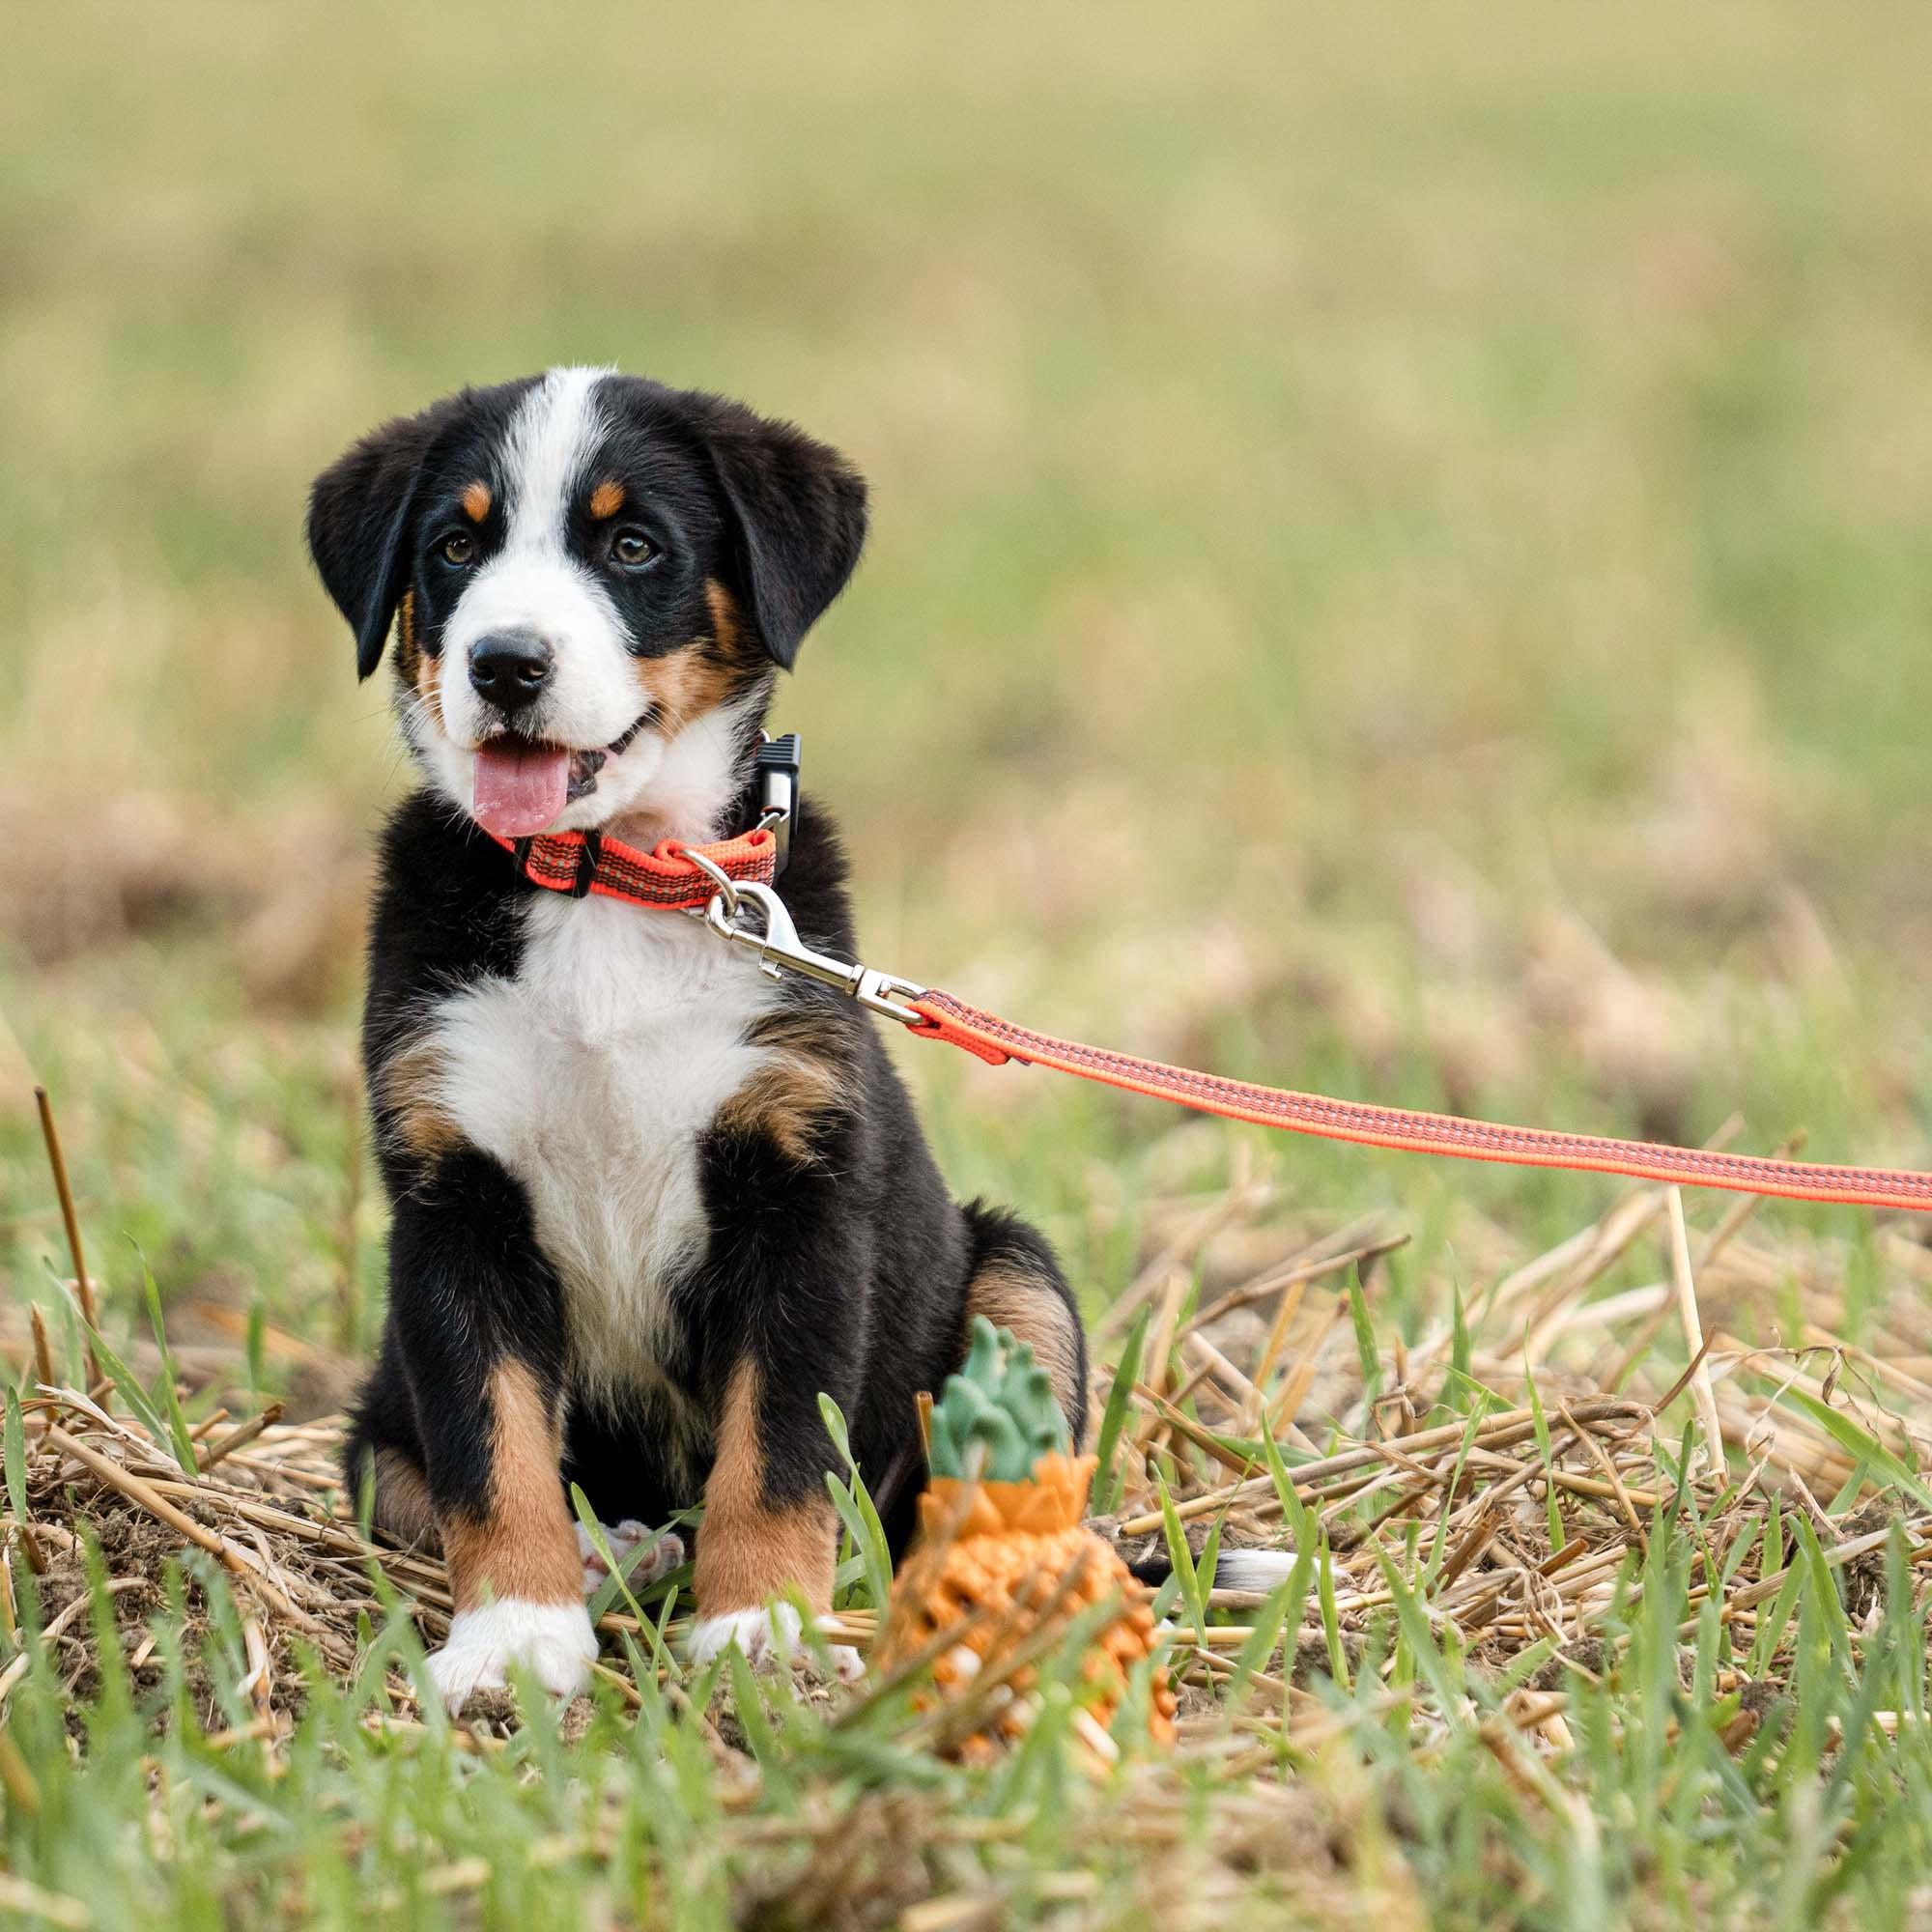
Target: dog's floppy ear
(799, 511)
(358, 517)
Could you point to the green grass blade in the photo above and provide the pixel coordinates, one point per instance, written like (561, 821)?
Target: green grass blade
(1860, 1445)
(1302, 1526)
(129, 1385)
(170, 1400)
(1540, 1423)
(1286, 1607)
(16, 1458)
(1413, 1622)
(1193, 1592)
(1331, 1622)
(1113, 1418)
(1440, 1543)
(854, 1503)
(761, 1740)
(1365, 1344)
(257, 1345)
(593, 1529)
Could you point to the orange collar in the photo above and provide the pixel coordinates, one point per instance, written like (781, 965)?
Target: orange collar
(582, 863)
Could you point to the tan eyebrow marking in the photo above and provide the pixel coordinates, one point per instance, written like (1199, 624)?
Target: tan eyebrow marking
(607, 500)
(476, 502)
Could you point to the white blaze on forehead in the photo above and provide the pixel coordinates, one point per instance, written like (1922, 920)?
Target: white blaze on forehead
(598, 688)
(552, 438)
(534, 584)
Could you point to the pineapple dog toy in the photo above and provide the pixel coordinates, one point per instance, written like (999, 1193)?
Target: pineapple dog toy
(1005, 1558)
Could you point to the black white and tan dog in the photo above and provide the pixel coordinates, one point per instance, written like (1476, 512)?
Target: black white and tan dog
(647, 1203)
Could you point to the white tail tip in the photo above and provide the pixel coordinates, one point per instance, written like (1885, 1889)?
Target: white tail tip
(1253, 1569)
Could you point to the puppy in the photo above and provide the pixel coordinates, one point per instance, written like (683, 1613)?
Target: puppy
(647, 1203)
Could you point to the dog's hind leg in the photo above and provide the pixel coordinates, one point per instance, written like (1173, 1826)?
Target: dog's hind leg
(382, 1460)
(662, 1554)
(1016, 1284)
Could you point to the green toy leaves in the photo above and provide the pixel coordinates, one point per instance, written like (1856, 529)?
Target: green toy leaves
(998, 1415)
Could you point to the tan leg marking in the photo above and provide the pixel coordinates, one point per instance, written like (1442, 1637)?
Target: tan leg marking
(409, 1085)
(524, 1544)
(1009, 1296)
(747, 1550)
(402, 1500)
(476, 500)
(793, 1089)
(607, 500)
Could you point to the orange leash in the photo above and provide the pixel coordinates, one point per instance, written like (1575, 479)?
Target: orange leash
(995, 1040)
(723, 878)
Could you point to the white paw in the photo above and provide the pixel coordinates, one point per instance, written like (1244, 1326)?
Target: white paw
(624, 1537)
(846, 1661)
(554, 1642)
(769, 1640)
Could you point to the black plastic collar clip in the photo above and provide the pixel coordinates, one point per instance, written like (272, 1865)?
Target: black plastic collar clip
(781, 798)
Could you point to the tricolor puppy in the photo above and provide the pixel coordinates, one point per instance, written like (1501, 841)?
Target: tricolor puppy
(647, 1203)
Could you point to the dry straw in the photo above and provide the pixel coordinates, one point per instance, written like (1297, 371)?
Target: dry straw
(1500, 1483)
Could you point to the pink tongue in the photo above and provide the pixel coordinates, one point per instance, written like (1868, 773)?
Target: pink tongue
(519, 787)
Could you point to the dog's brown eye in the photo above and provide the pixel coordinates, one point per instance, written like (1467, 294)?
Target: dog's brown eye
(631, 547)
(459, 547)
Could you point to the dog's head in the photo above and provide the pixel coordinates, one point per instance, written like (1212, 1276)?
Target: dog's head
(593, 581)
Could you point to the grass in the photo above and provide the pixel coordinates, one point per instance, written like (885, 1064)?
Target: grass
(1542, 1659)
(1401, 548)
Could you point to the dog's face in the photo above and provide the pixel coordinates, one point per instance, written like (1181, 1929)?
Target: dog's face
(593, 581)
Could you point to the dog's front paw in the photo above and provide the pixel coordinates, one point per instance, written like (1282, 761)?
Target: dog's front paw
(769, 1640)
(554, 1642)
(663, 1556)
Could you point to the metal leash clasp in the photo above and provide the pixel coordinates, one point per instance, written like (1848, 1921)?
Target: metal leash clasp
(780, 950)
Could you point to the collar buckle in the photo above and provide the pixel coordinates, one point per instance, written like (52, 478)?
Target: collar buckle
(777, 764)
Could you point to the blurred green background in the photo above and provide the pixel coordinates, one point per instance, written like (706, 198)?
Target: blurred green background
(1402, 558)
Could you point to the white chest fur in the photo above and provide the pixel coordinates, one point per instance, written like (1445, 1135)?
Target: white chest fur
(590, 1076)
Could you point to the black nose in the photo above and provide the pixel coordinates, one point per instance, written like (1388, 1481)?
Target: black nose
(508, 669)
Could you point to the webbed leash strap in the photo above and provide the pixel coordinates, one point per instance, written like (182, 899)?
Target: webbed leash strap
(996, 1040)
(584, 866)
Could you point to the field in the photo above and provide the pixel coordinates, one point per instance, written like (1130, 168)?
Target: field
(1402, 566)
